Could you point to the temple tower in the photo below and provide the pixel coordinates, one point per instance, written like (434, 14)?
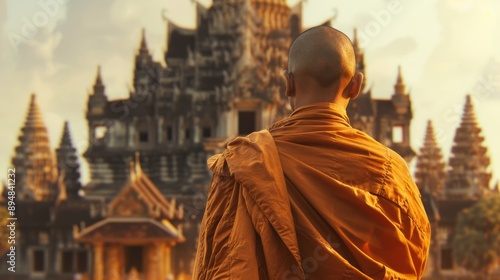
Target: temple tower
(429, 176)
(146, 73)
(400, 120)
(98, 99)
(68, 165)
(401, 98)
(35, 170)
(430, 167)
(245, 48)
(468, 175)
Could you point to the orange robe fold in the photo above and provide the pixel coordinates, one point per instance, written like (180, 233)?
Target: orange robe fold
(312, 198)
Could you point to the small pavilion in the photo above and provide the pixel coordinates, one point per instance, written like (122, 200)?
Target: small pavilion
(136, 237)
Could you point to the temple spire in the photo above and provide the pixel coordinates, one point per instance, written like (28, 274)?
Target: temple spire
(469, 175)
(98, 79)
(66, 136)
(99, 87)
(400, 87)
(144, 45)
(34, 117)
(35, 172)
(144, 66)
(430, 167)
(67, 164)
(97, 99)
(143, 56)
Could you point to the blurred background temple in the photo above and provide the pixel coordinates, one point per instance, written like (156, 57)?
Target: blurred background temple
(139, 215)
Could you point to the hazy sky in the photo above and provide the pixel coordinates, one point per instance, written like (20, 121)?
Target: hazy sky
(447, 49)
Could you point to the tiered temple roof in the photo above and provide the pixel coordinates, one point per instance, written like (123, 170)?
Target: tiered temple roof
(430, 171)
(36, 173)
(469, 175)
(68, 165)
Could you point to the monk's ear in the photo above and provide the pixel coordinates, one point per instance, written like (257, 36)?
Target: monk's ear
(290, 84)
(354, 87)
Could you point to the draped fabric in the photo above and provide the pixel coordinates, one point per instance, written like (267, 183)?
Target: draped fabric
(312, 198)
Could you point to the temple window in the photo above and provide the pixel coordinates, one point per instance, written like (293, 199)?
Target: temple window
(143, 137)
(133, 258)
(100, 133)
(67, 261)
(142, 131)
(38, 260)
(447, 258)
(73, 261)
(82, 261)
(246, 122)
(187, 133)
(170, 136)
(207, 132)
(397, 134)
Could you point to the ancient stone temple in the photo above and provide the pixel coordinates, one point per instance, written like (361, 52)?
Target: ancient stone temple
(35, 169)
(221, 80)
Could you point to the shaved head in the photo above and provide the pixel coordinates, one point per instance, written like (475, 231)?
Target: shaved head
(321, 68)
(322, 54)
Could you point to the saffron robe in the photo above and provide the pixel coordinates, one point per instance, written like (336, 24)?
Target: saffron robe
(312, 198)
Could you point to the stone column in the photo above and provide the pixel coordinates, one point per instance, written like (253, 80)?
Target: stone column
(153, 264)
(98, 262)
(161, 267)
(197, 130)
(113, 263)
(167, 260)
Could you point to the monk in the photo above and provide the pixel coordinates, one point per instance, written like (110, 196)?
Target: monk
(312, 197)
